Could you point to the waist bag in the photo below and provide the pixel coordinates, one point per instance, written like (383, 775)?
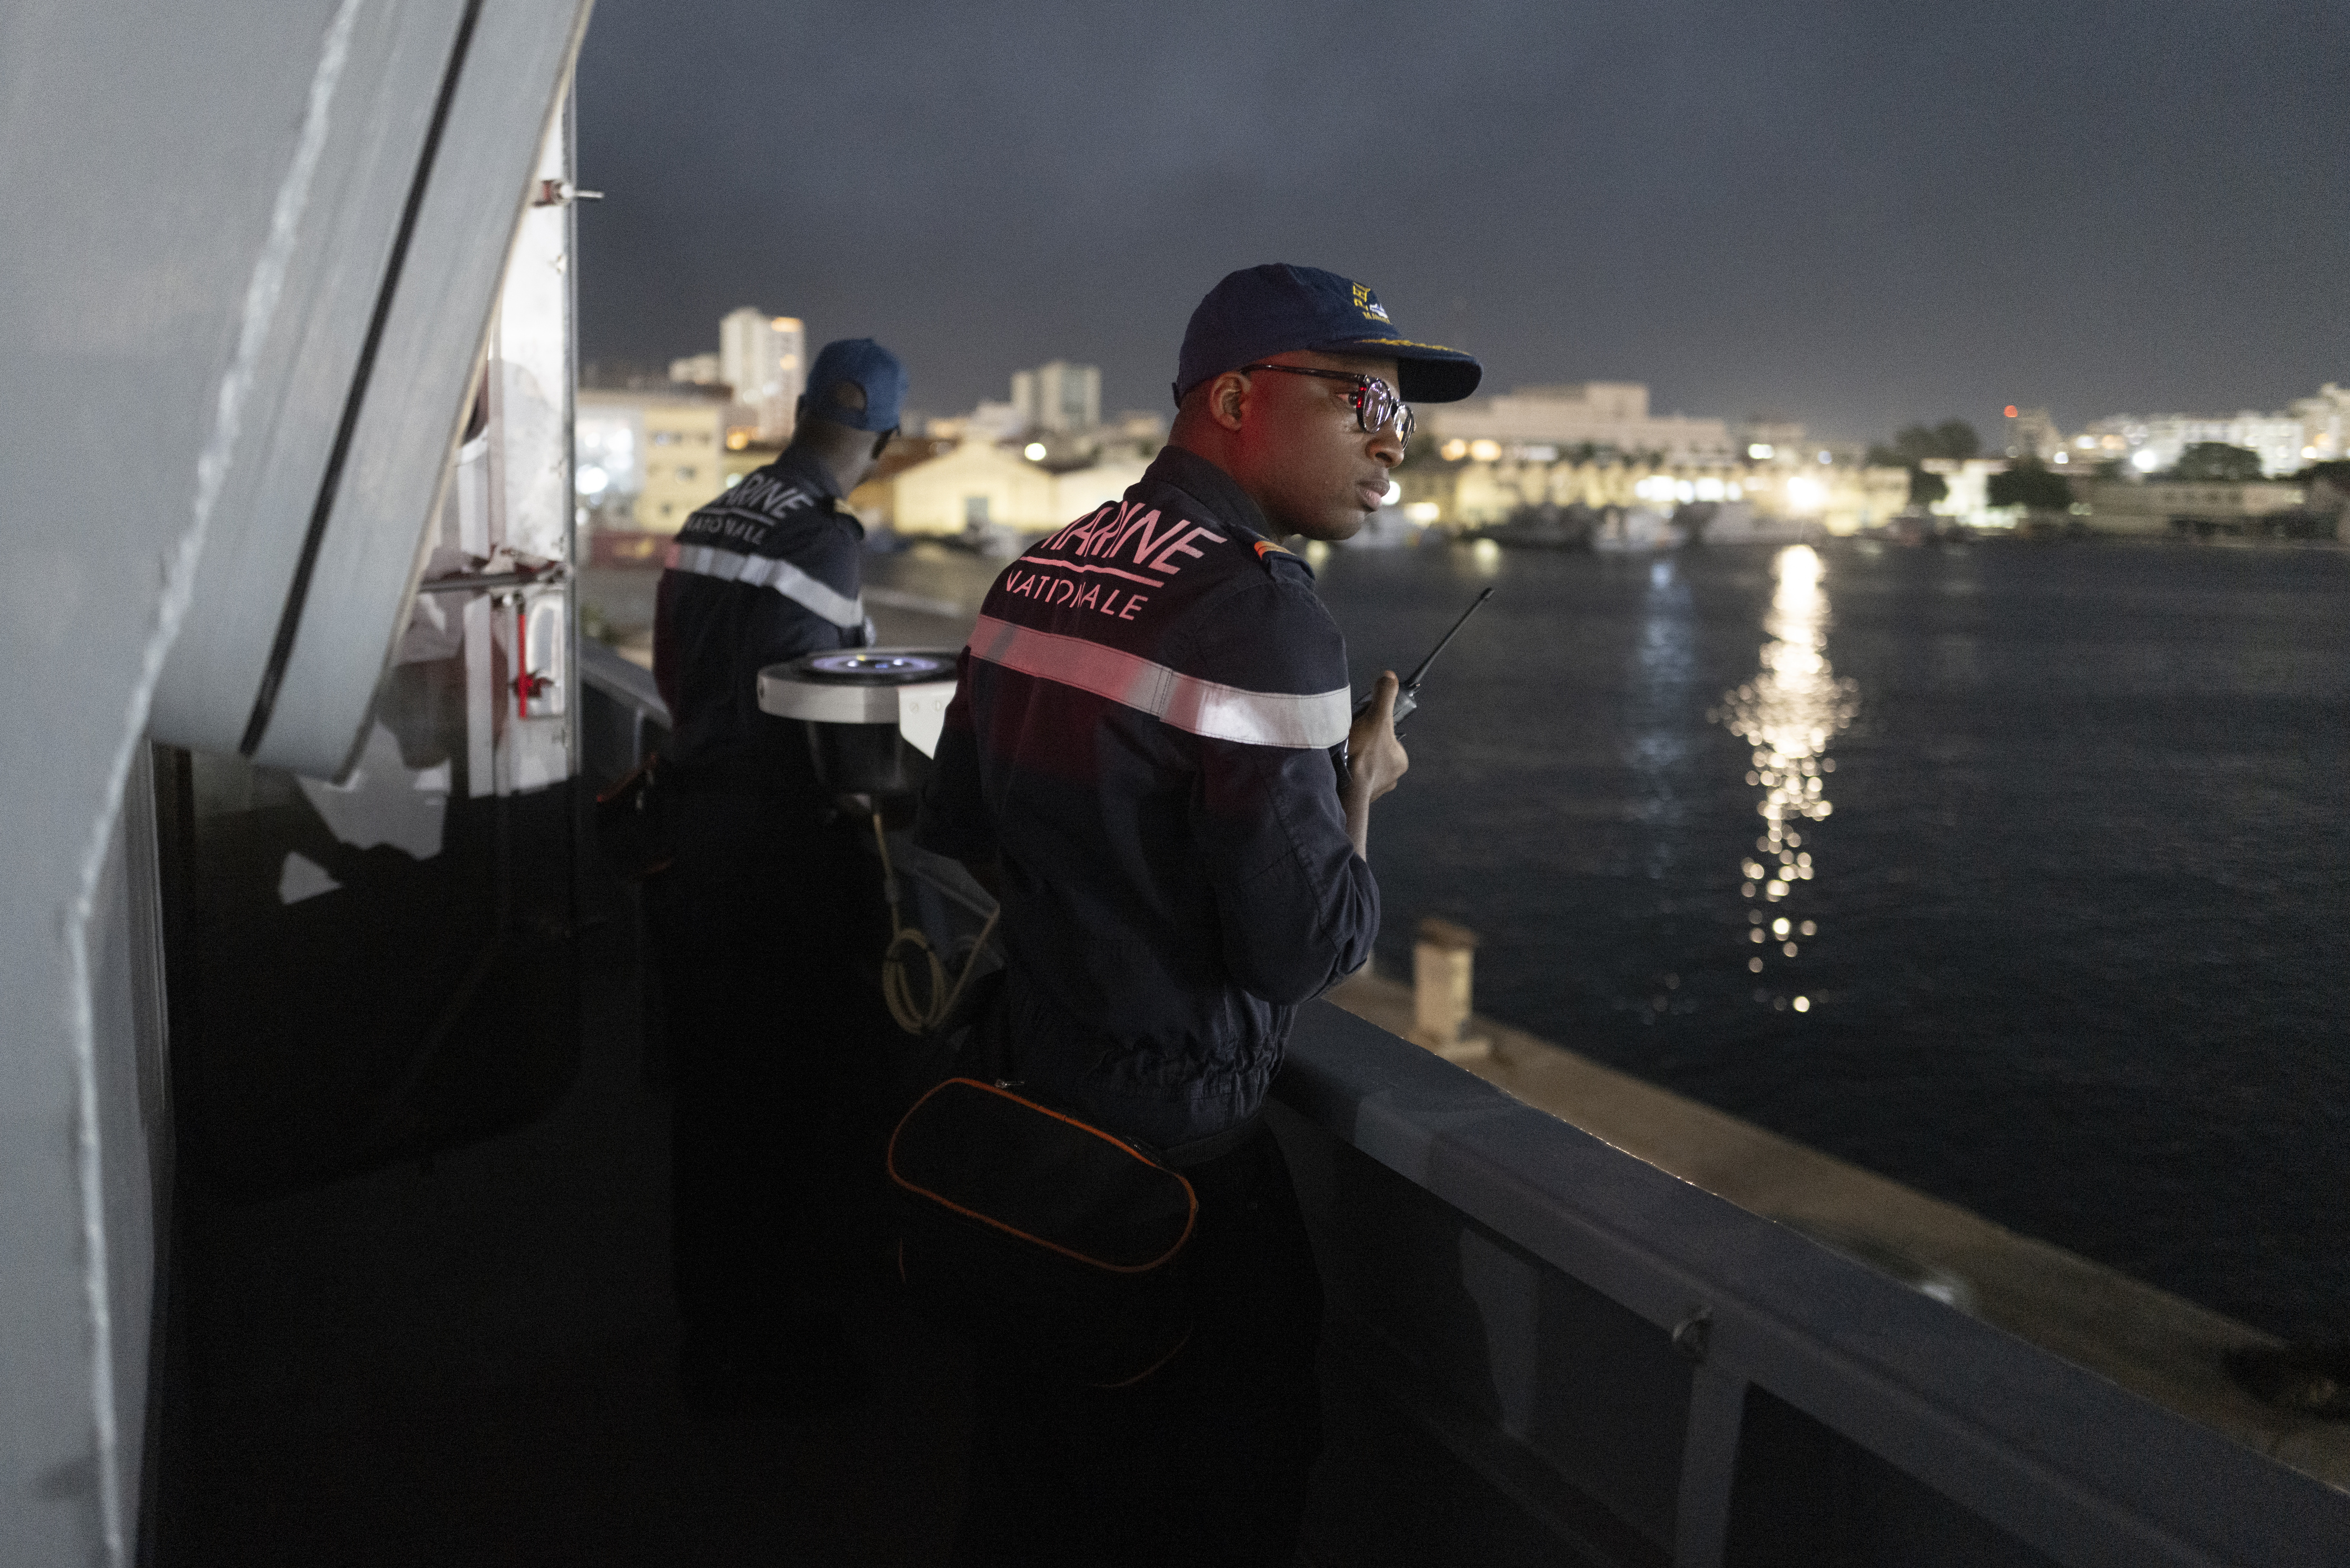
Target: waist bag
(1039, 1237)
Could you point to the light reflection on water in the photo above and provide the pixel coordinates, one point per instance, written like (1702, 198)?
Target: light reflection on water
(1788, 714)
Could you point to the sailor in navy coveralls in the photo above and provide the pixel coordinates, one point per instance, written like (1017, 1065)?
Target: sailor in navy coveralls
(769, 915)
(1138, 757)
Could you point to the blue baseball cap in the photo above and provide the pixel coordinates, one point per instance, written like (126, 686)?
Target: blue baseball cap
(1272, 309)
(871, 366)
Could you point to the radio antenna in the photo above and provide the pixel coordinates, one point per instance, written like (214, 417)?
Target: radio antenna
(1421, 673)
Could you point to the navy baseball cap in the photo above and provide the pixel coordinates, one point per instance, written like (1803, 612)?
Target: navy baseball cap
(871, 366)
(1272, 309)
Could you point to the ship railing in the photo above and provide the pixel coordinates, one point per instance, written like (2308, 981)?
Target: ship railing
(622, 716)
(1599, 1355)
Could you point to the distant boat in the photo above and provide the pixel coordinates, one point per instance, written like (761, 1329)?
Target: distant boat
(1386, 529)
(1547, 526)
(1736, 523)
(1634, 530)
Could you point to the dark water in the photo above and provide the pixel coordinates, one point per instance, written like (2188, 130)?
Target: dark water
(2081, 889)
(2080, 893)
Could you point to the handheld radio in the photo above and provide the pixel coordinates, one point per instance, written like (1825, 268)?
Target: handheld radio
(1408, 697)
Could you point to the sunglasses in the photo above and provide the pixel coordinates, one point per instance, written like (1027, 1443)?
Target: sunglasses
(1375, 402)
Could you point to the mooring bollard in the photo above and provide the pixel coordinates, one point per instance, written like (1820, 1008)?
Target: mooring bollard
(1442, 960)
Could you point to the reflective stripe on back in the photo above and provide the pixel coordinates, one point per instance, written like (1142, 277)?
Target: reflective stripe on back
(1204, 708)
(766, 572)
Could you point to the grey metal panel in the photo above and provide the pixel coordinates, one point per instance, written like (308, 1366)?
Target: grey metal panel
(1717, 1407)
(374, 117)
(1806, 1495)
(518, 62)
(515, 58)
(125, 950)
(2050, 1454)
(1570, 1385)
(143, 161)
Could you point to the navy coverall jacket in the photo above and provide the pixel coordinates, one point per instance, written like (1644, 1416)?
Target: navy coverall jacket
(1140, 731)
(768, 571)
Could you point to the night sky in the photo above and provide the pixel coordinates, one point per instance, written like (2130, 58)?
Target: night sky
(1855, 215)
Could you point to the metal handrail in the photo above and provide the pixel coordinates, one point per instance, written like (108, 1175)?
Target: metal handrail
(621, 680)
(2047, 1453)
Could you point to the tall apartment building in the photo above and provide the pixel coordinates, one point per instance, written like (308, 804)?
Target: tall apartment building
(2032, 432)
(1057, 397)
(764, 358)
(2324, 423)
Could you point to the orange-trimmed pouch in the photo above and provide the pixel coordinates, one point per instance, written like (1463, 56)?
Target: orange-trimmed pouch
(1041, 1238)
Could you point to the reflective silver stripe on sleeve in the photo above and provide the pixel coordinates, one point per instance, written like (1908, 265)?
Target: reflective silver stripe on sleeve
(766, 572)
(1205, 708)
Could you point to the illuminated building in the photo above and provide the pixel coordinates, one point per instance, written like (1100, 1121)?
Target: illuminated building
(2122, 506)
(2324, 423)
(980, 485)
(1467, 490)
(1765, 438)
(1611, 416)
(1967, 496)
(764, 358)
(1057, 397)
(2153, 442)
(646, 459)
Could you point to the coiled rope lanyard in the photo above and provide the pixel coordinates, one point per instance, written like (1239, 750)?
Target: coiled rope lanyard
(905, 941)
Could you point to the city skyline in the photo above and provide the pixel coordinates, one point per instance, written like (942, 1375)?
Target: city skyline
(1062, 397)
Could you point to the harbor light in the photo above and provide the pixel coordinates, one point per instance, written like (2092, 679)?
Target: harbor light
(2144, 460)
(1033, 451)
(1803, 1004)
